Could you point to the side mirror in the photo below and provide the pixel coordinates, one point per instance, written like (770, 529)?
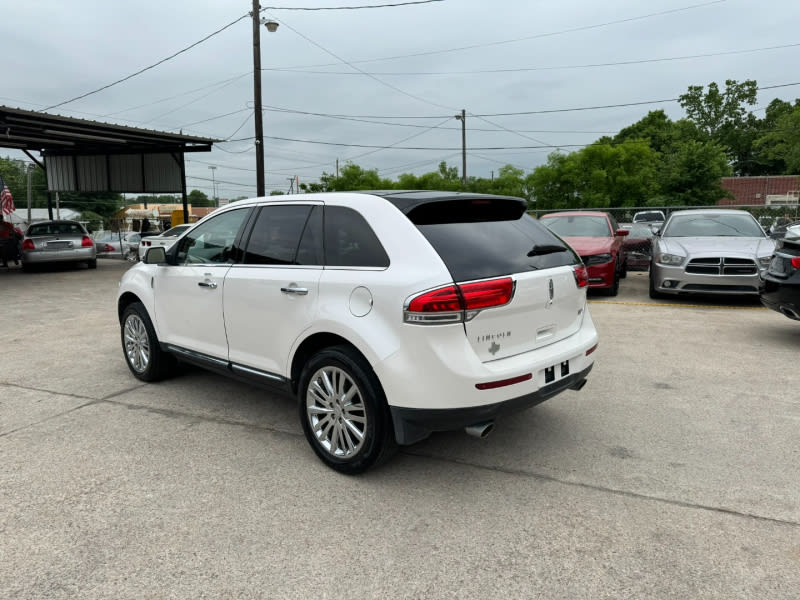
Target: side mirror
(622, 232)
(656, 230)
(155, 255)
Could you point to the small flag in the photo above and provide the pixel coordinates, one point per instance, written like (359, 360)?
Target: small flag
(6, 199)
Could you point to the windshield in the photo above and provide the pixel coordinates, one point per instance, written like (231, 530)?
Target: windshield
(710, 225)
(578, 225)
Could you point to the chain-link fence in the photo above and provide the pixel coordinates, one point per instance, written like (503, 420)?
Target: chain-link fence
(767, 215)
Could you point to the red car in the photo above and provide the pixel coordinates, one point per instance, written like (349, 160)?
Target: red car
(597, 237)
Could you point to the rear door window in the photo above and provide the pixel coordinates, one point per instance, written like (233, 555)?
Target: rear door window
(277, 235)
(478, 239)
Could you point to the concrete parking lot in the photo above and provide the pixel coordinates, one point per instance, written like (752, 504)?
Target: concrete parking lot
(675, 473)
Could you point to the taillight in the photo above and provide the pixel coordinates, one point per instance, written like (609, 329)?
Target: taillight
(796, 262)
(86, 242)
(441, 300)
(581, 275)
(145, 243)
(485, 294)
(28, 244)
(458, 303)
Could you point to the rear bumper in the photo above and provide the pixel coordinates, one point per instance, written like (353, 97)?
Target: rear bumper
(781, 296)
(412, 425)
(45, 256)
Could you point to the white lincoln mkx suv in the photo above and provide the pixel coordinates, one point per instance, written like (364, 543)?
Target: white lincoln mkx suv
(390, 315)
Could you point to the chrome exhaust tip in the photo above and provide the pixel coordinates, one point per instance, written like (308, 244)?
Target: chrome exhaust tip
(480, 430)
(790, 313)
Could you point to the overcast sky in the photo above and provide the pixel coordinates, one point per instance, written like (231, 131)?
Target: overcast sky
(506, 56)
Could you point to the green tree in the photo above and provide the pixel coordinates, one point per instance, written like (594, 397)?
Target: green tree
(691, 175)
(14, 173)
(600, 175)
(353, 177)
(104, 204)
(779, 146)
(723, 117)
(198, 199)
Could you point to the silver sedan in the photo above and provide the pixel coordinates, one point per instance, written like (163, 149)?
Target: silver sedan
(57, 241)
(709, 251)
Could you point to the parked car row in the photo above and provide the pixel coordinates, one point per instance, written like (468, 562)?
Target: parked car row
(131, 244)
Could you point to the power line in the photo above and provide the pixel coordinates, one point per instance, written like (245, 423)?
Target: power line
(235, 112)
(624, 104)
(552, 68)
(373, 77)
(139, 72)
(395, 144)
(200, 89)
(350, 7)
(531, 37)
(375, 122)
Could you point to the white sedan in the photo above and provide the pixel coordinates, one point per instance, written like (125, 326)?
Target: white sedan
(166, 239)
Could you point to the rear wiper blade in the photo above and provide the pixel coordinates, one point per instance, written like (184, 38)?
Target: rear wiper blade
(540, 249)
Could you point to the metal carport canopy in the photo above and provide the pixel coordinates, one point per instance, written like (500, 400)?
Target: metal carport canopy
(90, 156)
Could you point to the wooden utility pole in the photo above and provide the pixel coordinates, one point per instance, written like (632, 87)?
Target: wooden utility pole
(257, 99)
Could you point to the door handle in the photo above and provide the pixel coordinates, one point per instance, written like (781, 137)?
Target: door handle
(295, 290)
(208, 284)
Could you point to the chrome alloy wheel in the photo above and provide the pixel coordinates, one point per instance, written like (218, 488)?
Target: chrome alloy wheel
(336, 412)
(137, 344)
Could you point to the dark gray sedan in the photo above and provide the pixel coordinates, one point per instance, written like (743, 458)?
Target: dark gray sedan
(56, 242)
(709, 251)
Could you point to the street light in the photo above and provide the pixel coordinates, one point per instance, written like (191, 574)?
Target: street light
(271, 26)
(463, 118)
(213, 184)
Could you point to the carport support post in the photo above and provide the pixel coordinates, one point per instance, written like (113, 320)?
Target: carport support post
(183, 190)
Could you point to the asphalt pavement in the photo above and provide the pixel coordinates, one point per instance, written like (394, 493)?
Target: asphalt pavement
(674, 473)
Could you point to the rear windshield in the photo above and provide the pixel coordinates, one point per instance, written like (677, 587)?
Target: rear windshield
(648, 216)
(56, 229)
(478, 241)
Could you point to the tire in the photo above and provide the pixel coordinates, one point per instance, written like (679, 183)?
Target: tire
(92, 264)
(143, 354)
(654, 293)
(624, 272)
(343, 411)
(614, 289)
(132, 256)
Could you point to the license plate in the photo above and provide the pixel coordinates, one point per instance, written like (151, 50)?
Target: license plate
(58, 245)
(561, 369)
